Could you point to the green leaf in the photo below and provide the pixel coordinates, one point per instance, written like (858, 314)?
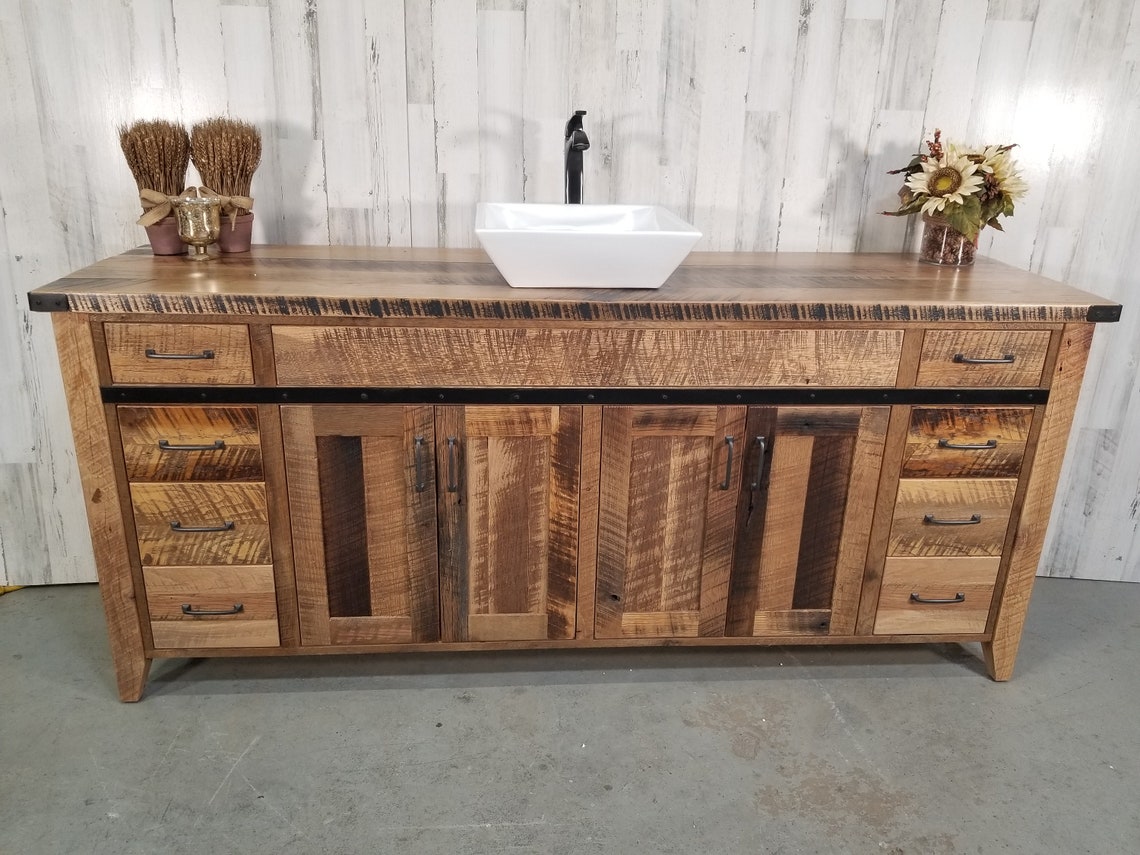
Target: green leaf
(966, 217)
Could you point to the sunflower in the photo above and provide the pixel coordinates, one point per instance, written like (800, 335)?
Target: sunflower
(1002, 172)
(948, 179)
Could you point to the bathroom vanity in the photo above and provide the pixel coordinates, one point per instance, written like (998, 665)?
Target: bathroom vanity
(316, 450)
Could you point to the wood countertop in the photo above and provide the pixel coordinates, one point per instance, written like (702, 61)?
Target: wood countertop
(371, 282)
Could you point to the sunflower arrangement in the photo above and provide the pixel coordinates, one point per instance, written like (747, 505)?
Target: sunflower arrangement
(969, 188)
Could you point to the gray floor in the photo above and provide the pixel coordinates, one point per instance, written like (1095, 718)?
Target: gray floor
(903, 750)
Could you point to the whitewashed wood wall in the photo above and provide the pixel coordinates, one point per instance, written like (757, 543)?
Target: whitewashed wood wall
(767, 123)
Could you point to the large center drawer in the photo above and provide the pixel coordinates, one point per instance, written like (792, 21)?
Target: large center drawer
(602, 357)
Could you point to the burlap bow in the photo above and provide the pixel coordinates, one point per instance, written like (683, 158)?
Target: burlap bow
(157, 206)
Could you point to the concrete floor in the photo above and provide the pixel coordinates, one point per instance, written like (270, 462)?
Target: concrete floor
(903, 750)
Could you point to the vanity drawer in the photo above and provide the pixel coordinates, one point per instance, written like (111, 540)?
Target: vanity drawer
(965, 516)
(936, 595)
(190, 443)
(962, 442)
(243, 598)
(206, 524)
(982, 358)
(595, 357)
(200, 354)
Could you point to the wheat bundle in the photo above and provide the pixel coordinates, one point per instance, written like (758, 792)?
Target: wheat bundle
(157, 153)
(226, 154)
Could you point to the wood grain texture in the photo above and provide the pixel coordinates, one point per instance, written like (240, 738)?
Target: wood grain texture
(1007, 428)
(588, 512)
(143, 429)
(229, 364)
(280, 524)
(418, 356)
(103, 502)
(1001, 653)
(940, 347)
(991, 499)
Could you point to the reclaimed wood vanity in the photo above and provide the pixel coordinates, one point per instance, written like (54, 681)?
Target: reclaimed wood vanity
(311, 450)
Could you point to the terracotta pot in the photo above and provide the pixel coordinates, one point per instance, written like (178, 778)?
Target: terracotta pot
(943, 244)
(235, 237)
(163, 237)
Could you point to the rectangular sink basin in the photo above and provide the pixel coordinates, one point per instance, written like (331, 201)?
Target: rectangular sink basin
(583, 246)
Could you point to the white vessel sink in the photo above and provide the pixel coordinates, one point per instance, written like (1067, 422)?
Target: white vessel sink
(583, 246)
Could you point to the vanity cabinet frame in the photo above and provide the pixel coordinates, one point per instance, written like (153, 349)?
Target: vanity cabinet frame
(617, 407)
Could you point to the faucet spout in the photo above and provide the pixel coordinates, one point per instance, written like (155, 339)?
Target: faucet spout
(576, 143)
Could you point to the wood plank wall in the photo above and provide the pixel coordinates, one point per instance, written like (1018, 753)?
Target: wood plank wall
(769, 125)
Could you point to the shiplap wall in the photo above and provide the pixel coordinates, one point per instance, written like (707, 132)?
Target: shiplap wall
(767, 123)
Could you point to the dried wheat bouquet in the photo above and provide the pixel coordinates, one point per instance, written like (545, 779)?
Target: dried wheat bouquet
(157, 153)
(226, 153)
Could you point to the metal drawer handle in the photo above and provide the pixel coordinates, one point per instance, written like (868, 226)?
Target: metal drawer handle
(762, 442)
(175, 525)
(958, 598)
(730, 441)
(981, 360)
(452, 466)
(421, 475)
(151, 353)
(188, 609)
(165, 445)
(930, 519)
(967, 446)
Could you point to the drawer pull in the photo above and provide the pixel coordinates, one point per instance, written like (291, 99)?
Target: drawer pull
(762, 443)
(957, 598)
(188, 609)
(175, 525)
(452, 466)
(962, 359)
(166, 445)
(151, 353)
(967, 446)
(930, 519)
(730, 441)
(421, 476)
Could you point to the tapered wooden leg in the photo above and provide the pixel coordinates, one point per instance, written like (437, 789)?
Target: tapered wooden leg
(101, 495)
(1025, 556)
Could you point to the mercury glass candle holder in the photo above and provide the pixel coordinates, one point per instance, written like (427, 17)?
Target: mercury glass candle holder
(199, 223)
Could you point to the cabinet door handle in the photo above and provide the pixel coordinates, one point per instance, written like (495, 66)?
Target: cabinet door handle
(175, 525)
(166, 445)
(730, 441)
(962, 359)
(930, 519)
(151, 353)
(421, 476)
(452, 465)
(957, 598)
(762, 442)
(967, 446)
(188, 609)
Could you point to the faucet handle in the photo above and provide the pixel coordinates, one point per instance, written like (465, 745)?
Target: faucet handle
(575, 123)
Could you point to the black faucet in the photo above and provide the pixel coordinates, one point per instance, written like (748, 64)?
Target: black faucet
(576, 143)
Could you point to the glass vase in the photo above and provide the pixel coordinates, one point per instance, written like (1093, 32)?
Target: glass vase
(944, 244)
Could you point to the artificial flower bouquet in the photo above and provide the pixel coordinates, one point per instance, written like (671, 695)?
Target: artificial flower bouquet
(968, 188)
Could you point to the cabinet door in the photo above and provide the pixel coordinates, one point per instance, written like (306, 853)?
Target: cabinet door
(508, 505)
(669, 485)
(362, 493)
(804, 519)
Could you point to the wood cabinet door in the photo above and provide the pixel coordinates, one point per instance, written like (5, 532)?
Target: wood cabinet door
(362, 493)
(670, 477)
(508, 482)
(803, 520)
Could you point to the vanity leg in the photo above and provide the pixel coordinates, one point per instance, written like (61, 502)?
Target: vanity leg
(1072, 353)
(102, 496)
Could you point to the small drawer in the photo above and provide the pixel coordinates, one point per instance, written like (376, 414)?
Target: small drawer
(949, 442)
(936, 595)
(191, 443)
(947, 517)
(212, 606)
(602, 357)
(207, 524)
(200, 354)
(982, 358)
